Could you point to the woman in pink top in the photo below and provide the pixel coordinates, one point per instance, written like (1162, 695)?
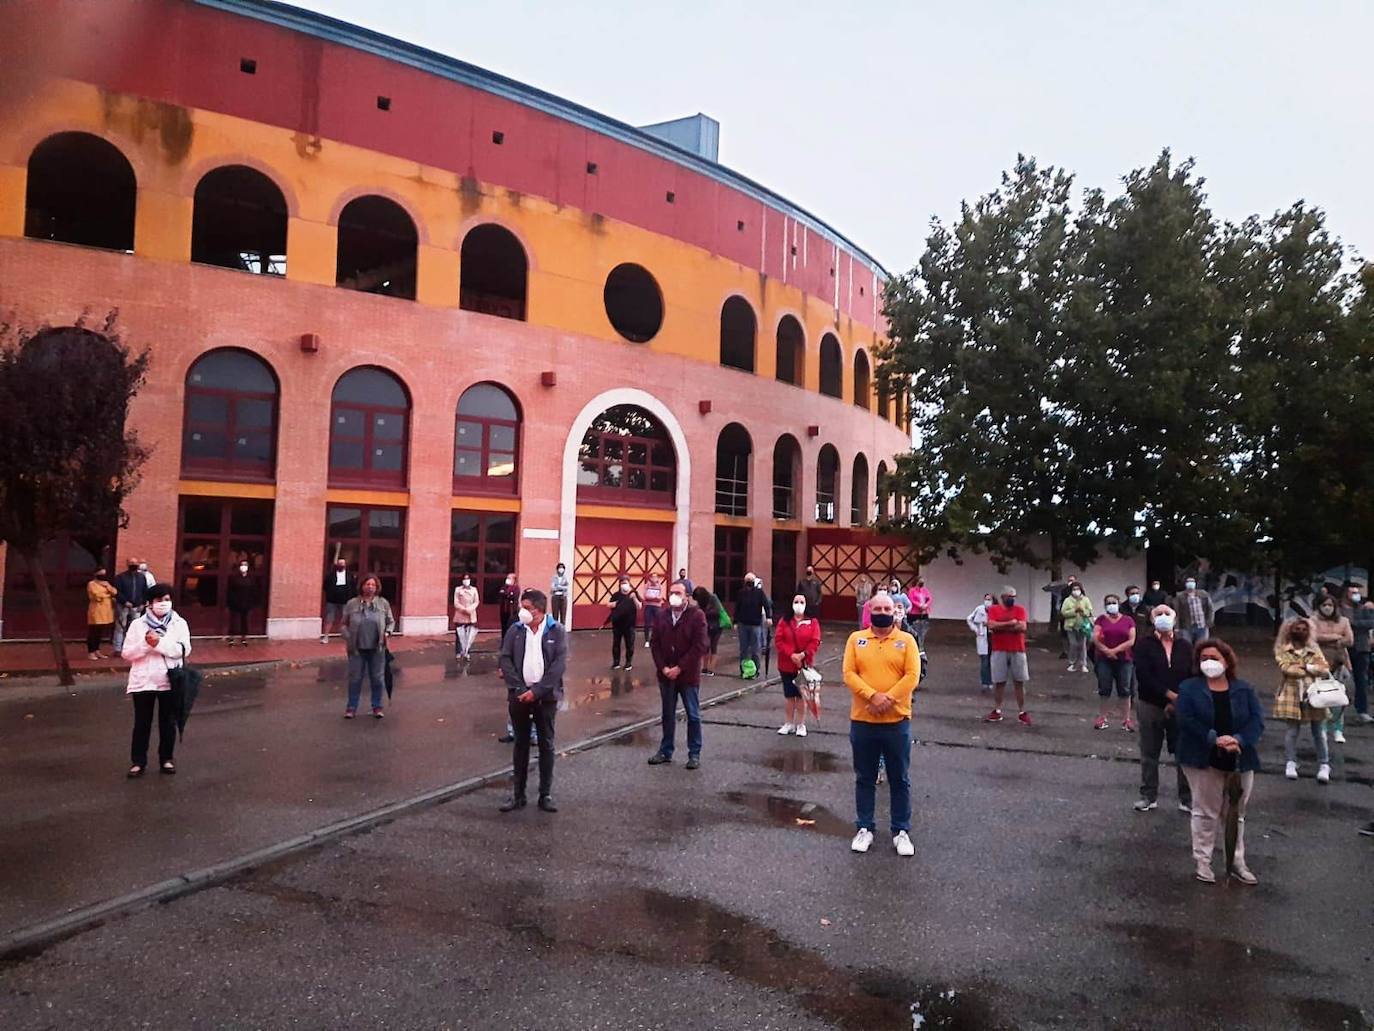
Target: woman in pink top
(920, 611)
(1114, 637)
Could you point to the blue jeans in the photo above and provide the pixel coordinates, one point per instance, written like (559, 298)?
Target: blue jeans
(751, 643)
(890, 742)
(669, 693)
(650, 615)
(985, 669)
(370, 663)
(1114, 671)
(1198, 634)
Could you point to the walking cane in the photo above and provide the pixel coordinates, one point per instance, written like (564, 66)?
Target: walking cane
(1233, 791)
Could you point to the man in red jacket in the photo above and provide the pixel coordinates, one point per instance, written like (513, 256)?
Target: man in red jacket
(679, 644)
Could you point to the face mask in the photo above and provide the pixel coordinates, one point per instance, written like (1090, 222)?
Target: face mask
(1212, 668)
(1113, 608)
(161, 607)
(243, 568)
(1190, 585)
(1154, 587)
(676, 601)
(1355, 598)
(1164, 624)
(143, 568)
(624, 588)
(467, 582)
(987, 601)
(1134, 599)
(1008, 600)
(799, 607)
(510, 580)
(1077, 593)
(525, 616)
(1327, 610)
(340, 567)
(882, 620)
(560, 570)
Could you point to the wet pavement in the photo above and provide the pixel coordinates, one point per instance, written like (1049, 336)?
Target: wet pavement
(727, 897)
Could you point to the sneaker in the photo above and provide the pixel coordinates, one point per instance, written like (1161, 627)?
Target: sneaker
(1073, 667)
(993, 717)
(1242, 874)
(1364, 717)
(708, 673)
(1024, 719)
(693, 762)
(94, 656)
(1338, 736)
(1291, 771)
(377, 712)
(647, 644)
(350, 713)
(801, 730)
(901, 841)
(787, 728)
(1145, 805)
(628, 667)
(1100, 723)
(862, 841)
(1204, 873)
(1324, 773)
(1128, 726)
(324, 639)
(615, 665)
(658, 759)
(1184, 807)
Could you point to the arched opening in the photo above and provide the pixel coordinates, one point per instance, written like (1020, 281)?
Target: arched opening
(369, 430)
(627, 457)
(239, 221)
(486, 441)
(880, 502)
(827, 483)
(634, 303)
(229, 425)
(738, 329)
(734, 449)
(858, 492)
(81, 189)
(791, 364)
(861, 398)
(377, 248)
(786, 476)
(884, 401)
(495, 273)
(832, 367)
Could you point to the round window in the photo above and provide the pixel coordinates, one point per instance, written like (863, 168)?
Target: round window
(633, 303)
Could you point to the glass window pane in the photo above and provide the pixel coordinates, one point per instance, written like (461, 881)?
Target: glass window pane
(384, 559)
(206, 444)
(591, 448)
(469, 433)
(383, 523)
(491, 590)
(662, 454)
(388, 426)
(467, 463)
(371, 387)
(661, 480)
(233, 370)
(346, 455)
(612, 449)
(255, 448)
(253, 412)
(387, 458)
(634, 478)
(638, 453)
(501, 529)
(344, 522)
(348, 422)
(500, 464)
(487, 400)
(200, 517)
(610, 475)
(588, 474)
(251, 520)
(464, 527)
(502, 438)
(207, 408)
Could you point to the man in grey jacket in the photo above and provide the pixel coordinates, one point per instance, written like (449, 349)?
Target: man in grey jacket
(534, 654)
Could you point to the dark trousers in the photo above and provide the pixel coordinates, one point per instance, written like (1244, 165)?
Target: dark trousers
(890, 742)
(1157, 729)
(560, 607)
(238, 622)
(669, 692)
(541, 714)
(95, 633)
(1360, 669)
(650, 615)
(144, 702)
(623, 635)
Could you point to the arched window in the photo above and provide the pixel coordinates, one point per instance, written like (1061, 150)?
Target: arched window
(734, 450)
(634, 303)
(229, 426)
(786, 476)
(832, 366)
(81, 189)
(861, 379)
(377, 248)
(495, 273)
(858, 492)
(239, 221)
(791, 352)
(827, 483)
(626, 456)
(369, 430)
(486, 441)
(738, 329)
(884, 401)
(880, 503)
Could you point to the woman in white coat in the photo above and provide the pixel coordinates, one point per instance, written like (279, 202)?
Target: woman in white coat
(978, 622)
(155, 642)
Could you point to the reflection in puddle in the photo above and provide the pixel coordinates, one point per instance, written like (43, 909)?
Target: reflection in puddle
(789, 760)
(793, 812)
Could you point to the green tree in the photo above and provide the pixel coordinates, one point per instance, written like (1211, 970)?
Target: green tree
(68, 462)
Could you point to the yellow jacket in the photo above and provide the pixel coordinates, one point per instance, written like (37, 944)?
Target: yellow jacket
(888, 665)
(100, 597)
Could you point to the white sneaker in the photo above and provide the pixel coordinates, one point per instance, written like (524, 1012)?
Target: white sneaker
(1144, 805)
(901, 841)
(1073, 668)
(648, 644)
(324, 639)
(801, 730)
(1364, 717)
(1338, 736)
(1185, 809)
(787, 728)
(861, 841)
(1324, 774)
(1291, 771)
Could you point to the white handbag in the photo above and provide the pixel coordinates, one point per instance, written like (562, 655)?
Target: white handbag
(1326, 693)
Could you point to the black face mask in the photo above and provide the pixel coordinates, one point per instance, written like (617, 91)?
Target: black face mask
(882, 620)
(1008, 600)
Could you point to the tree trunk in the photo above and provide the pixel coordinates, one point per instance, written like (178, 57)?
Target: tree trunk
(59, 648)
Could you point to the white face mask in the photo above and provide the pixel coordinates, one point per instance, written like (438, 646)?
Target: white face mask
(243, 568)
(525, 616)
(1212, 668)
(624, 588)
(161, 607)
(676, 601)
(1190, 585)
(1164, 624)
(467, 582)
(1113, 608)
(143, 568)
(1134, 599)
(799, 607)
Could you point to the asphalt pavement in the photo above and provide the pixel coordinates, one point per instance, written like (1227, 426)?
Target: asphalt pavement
(725, 897)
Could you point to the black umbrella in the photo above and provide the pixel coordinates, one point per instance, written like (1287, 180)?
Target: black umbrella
(387, 676)
(185, 683)
(767, 650)
(1234, 789)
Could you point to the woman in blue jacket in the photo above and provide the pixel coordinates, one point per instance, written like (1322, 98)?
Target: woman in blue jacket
(1219, 726)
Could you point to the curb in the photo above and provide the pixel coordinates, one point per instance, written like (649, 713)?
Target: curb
(29, 942)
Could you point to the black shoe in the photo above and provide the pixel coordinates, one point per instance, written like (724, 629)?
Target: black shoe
(506, 739)
(658, 759)
(511, 804)
(546, 804)
(693, 763)
(1368, 830)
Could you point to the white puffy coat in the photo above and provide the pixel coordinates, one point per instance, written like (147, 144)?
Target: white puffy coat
(148, 666)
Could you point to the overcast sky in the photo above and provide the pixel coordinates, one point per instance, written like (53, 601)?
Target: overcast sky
(876, 116)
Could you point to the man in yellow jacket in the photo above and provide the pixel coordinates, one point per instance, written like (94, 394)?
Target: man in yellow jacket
(882, 666)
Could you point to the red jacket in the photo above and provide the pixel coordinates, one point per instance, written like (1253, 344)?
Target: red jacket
(802, 634)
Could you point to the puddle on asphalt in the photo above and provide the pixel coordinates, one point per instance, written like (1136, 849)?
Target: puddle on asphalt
(803, 760)
(793, 812)
(649, 737)
(1183, 948)
(1324, 1013)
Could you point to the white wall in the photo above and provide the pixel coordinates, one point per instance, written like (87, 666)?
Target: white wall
(957, 587)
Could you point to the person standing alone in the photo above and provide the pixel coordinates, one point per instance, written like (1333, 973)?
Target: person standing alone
(241, 597)
(679, 645)
(810, 588)
(100, 611)
(340, 587)
(465, 602)
(1007, 642)
(534, 655)
(558, 594)
(750, 604)
(882, 666)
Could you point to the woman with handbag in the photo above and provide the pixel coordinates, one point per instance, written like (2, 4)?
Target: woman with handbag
(1301, 661)
(1220, 723)
(1077, 612)
(797, 637)
(155, 642)
(1334, 636)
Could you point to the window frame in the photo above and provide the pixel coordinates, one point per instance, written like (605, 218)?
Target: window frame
(484, 482)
